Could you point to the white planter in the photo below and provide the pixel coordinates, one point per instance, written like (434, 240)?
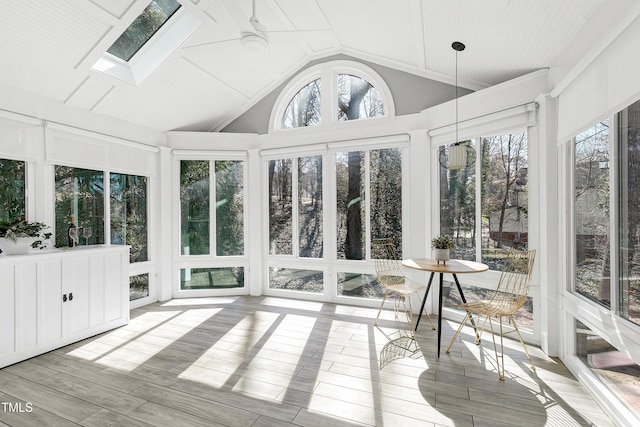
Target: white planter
(22, 246)
(442, 254)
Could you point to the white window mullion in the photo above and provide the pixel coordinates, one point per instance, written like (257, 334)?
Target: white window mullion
(295, 239)
(367, 206)
(571, 223)
(615, 170)
(106, 176)
(212, 208)
(478, 191)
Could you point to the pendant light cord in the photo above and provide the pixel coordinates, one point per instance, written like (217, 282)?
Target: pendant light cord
(457, 139)
(458, 47)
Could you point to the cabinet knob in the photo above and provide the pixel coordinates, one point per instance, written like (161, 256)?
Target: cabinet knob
(64, 297)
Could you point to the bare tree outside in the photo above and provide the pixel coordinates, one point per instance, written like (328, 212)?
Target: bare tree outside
(280, 207)
(591, 176)
(505, 167)
(357, 99)
(304, 108)
(629, 212)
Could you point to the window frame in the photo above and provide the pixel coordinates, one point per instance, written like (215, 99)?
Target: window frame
(328, 74)
(211, 260)
(329, 264)
(477, 130)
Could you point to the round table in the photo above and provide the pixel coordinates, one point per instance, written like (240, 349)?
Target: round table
(453, 267)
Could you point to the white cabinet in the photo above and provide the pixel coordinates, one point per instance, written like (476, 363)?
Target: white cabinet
(51, 299)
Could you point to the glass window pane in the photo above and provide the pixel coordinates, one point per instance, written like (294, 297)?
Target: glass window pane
(79, 193)
(504, 196)
(458, 209)
(310, 206)
(12, 196)
(194, 207)
(350, 186)
(386, 195)
(138, 286)
(614, 368)
(143, 28)
(211, 278)
(592, 213)
(359, 285)
(128, 215)
(229, 208)
(280, 207)
(304, 108)
(296, 280)
(629, 196)
(357, 99)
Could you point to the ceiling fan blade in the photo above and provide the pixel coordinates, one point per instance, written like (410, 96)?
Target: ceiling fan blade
(304, 35)
(208, 45)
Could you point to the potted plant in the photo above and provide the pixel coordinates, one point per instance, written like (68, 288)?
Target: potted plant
(19, 236)
(442, 246)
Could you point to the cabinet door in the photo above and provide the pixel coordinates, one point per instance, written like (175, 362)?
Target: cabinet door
(116, 286)
(49, 290)
(76, 286)
(7, 311)
(26, 306)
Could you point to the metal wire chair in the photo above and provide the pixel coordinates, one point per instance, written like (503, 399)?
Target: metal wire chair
(395, 282)
(510, 295)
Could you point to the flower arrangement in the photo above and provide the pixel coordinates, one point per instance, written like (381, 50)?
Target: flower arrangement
(22, 228)
(443, 241)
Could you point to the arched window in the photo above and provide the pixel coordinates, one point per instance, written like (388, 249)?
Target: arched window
(331, 93)
(357, 99)
(304, 108)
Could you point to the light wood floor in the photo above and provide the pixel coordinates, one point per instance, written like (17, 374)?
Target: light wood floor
(269, 362)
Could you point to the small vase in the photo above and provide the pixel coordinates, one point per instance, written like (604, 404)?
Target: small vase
(21, 247)
(441, 255)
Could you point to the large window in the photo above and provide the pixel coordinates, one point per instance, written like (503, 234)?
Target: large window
(229, 214)
(591, 220)
(12, 196)
(629, 212)
(128, 207)
(502, 210)
(79, 197)
(212, 223)
(194, 207)
(295, 207)
(368, 205)
(369, 200)
(495, 223)
(605, 291)
(200, 182)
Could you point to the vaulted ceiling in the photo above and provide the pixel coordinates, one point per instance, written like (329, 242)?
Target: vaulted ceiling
(48, 48)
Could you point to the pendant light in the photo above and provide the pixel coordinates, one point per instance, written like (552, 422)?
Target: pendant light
(457, 156)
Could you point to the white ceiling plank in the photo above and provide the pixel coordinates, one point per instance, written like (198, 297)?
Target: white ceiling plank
(49, 47)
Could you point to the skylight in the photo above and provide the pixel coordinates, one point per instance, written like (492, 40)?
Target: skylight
(143, 28)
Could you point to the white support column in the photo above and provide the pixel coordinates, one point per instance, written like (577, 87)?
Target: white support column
(254, 276)
(543, 150)
(163, 220)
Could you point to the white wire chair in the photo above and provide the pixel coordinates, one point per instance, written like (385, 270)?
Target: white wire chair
(395, 282)
(510, 295)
